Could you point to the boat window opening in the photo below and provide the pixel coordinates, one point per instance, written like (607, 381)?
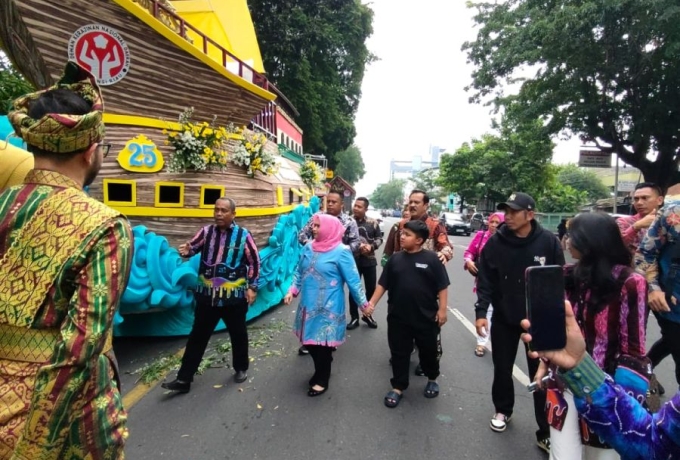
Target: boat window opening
(169, 195)
(120, 192)
(291, 197)
(209, 195)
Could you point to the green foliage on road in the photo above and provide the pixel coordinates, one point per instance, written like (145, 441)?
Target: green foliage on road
(350, 164)
(607, 71)
(315, 53)
(260, 340)
(12, 84)
(389, 195)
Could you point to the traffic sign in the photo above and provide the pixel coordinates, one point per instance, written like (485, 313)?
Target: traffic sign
(594, 159)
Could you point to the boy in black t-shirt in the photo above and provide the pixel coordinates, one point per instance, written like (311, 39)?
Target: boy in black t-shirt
(415, 280)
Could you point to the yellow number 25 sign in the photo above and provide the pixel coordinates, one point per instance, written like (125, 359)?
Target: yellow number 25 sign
(140, 155)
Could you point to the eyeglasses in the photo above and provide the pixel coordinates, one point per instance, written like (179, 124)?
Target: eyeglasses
(105, 149)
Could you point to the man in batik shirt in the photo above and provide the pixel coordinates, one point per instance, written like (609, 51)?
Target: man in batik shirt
(334, 208)
(227, 284)
(64, 264)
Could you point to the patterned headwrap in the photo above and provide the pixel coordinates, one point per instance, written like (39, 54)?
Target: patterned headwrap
(60, 133)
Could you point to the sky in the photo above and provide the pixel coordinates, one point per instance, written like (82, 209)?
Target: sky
(414, 96)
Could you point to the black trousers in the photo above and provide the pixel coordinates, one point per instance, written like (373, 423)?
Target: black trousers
(669, 343)
(323, 357)
(205, 320)
(400, 336)
(504, 339)
(370, 280)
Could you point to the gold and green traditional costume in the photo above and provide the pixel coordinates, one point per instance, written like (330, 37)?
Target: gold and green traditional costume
(64, 263)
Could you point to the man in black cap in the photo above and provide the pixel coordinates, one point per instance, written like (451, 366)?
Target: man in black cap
(517, 244)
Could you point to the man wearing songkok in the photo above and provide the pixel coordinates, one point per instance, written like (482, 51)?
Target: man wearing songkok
(64, 264)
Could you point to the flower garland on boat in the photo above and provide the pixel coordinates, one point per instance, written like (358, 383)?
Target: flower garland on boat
(311, 174)
(198, 146)
(250, 153)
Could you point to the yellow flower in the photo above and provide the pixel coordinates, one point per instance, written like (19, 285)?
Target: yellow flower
(249, 146)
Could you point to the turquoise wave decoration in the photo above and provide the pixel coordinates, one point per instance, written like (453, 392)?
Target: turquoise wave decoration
(159, 301)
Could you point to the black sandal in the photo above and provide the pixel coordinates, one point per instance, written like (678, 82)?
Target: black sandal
(392, 399)
(312, 392)
(431, 390)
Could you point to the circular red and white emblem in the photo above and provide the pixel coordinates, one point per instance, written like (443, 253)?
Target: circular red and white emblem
(101, 50)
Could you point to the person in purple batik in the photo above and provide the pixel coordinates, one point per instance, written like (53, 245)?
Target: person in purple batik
(227, 284)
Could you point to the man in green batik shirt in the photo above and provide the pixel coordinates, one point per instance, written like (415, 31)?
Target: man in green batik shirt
(64, 264)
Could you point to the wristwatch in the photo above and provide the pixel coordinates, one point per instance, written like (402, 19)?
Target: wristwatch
(253, 287)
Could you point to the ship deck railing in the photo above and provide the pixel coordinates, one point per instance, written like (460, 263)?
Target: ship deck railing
(162, 10)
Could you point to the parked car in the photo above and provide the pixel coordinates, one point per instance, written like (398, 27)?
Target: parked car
(479, 222)
(455, 225)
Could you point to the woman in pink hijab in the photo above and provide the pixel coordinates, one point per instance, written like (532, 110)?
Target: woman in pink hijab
(325, 266)
(471, 257)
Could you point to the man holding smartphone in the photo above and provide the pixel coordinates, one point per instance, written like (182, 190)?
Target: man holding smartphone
(519, 243)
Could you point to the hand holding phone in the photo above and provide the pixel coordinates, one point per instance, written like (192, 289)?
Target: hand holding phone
(533, 386)
(545, 307)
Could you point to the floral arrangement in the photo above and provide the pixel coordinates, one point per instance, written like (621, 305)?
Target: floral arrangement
(311, 174)
(198, 146)
(250, 152)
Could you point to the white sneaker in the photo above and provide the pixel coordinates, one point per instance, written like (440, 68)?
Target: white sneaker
(499, 422)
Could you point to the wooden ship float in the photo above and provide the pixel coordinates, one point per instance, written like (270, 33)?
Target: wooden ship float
(153, 64)
(154, 59)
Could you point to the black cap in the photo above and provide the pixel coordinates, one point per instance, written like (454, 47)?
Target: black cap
(519, 202)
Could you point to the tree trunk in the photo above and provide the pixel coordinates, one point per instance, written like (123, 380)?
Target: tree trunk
(664, 171)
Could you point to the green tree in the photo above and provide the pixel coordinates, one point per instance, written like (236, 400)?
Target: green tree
(350, 164)
(561, 198)
(12, 84)
(389, 195)
(515, 160)
(315, 53)
(582, 180)
(607, 71)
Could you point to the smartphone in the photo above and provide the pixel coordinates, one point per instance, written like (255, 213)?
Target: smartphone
(545, 307)
(533, 386)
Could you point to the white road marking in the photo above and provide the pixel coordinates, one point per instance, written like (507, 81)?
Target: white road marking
(516, 371)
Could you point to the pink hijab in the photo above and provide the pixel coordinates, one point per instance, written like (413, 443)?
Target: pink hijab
(330, 233)
(500, 215)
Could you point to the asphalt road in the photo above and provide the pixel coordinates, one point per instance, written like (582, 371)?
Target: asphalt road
(271, 417)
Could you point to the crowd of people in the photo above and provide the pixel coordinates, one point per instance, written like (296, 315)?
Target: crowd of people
(65, 259)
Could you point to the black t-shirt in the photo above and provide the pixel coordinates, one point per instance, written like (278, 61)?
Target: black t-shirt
(413, 281)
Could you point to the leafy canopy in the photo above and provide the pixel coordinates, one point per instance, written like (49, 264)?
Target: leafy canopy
(12, 84)
(582, 180)
(606, 70)
(315, 53)
(496, 165)
(350, 165)
(389, 195)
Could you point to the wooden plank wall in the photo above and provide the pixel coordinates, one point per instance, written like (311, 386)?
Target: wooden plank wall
(163, 79)
(248, 192)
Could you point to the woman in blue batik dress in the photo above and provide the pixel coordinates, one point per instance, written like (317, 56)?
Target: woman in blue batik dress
(325, 266)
